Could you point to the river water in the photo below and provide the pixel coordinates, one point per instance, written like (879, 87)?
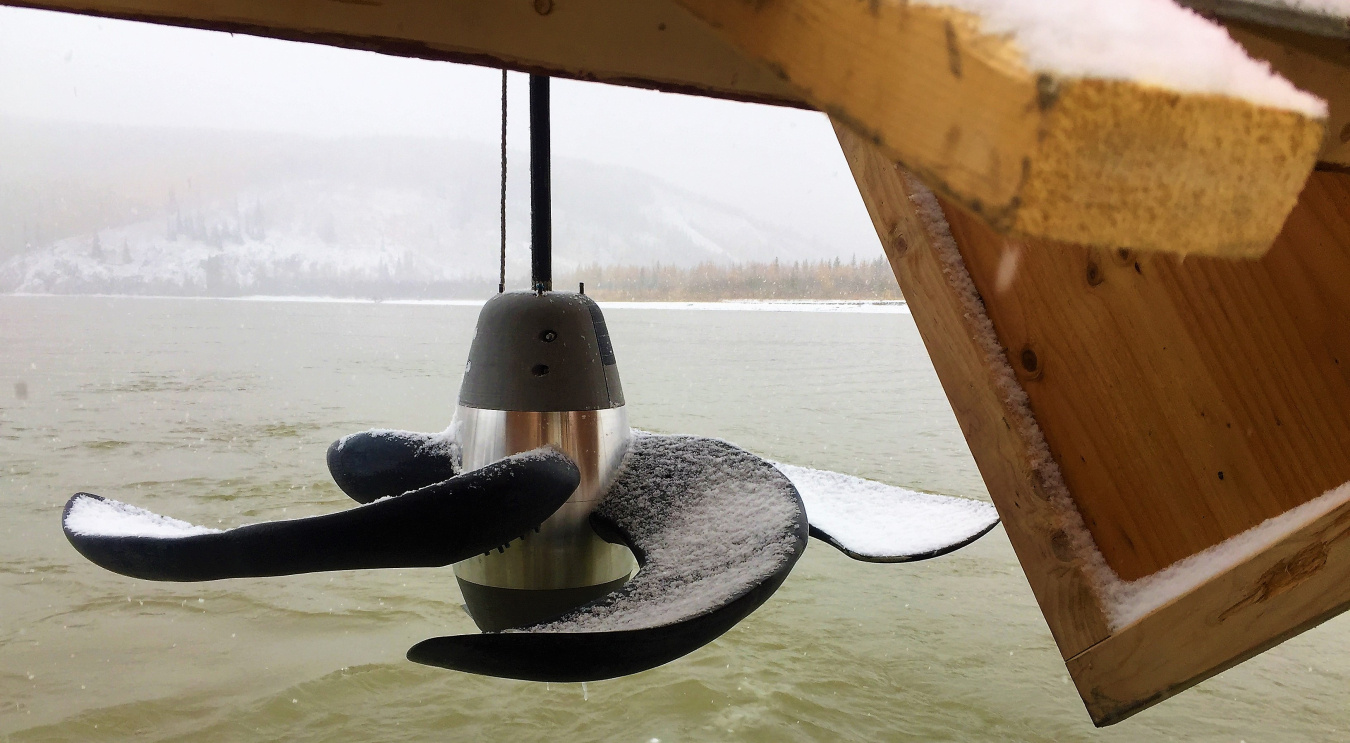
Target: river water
(219, 412)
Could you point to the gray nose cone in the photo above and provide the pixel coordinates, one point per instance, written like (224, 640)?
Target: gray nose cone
(541, 352)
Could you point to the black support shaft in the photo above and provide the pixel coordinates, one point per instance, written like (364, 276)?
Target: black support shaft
(541, 189)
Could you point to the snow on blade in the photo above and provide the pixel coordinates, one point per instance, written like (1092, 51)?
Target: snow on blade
(96, 517)
(1152, 42)
(713, 522)
(875, 520)
(443, 444)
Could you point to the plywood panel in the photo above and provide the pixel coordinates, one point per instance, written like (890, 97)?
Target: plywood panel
(1185, 400)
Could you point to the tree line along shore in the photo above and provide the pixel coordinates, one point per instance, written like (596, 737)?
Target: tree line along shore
(855, 280)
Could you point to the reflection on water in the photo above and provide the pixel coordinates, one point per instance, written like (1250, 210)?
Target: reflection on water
(219, 413)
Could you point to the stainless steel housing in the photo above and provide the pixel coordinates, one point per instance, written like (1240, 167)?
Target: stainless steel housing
(541, 371)
(565, 553)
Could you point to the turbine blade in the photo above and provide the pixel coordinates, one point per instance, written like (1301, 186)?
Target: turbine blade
(378, 463)
(586, 656)
(875, 522)
(716, 530)
(437, 525)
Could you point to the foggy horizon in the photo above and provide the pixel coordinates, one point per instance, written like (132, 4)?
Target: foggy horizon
(777, 165)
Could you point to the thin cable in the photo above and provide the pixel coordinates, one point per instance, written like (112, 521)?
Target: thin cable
(501, 281)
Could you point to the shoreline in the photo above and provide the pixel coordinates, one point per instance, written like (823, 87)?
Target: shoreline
(859, 306)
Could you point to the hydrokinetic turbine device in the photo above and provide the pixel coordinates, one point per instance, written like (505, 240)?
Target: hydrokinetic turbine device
(541, 372)
(543, 499)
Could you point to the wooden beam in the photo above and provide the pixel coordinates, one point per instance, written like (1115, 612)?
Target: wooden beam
(1316, 64)
(1295, 585)
(949, 319)
(1230, 379)
(650, 44)
(1093, 161)
(1146, 376)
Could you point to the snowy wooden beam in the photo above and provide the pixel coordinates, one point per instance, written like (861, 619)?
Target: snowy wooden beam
(1167, 441)
(1317, 64)
(1264, 589)
(997, 423)
(1130, 124)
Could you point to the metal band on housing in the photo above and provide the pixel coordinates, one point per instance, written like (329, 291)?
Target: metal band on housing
(565, 553)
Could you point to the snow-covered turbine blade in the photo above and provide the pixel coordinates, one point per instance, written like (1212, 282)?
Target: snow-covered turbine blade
(716, 531)
(437, 525)
(876, 522)
(379, 463)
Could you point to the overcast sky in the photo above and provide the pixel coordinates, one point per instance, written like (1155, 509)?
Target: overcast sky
(775, 163)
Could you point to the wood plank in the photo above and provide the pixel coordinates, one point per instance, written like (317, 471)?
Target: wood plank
(1191, 331)
(993, 426)
(1295, 585)
(1103, 162)
(1316, 64)
(649, 44)
(1185, 401)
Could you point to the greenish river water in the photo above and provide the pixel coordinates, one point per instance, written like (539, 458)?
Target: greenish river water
(219, 412)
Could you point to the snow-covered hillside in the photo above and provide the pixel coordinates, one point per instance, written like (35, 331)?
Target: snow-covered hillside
(297, 238)
(381, 219)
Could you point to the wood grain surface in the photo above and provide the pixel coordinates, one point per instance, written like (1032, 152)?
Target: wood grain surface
(1294, 586)
(1316, 64)
(1148, 376)
(992, 427)
(1185, 400)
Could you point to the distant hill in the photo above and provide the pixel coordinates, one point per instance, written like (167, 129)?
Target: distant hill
(113, 210)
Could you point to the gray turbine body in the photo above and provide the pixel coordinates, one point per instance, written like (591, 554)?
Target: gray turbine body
(541, 371)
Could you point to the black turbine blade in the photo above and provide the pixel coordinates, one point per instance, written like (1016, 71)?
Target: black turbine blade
(587, 656)
(716, 530)
(374, 464)
(437, 525)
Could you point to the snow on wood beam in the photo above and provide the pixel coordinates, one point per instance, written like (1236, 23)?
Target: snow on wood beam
(1167, 441)
(1292, 585)
(1317, 64)
(999, 430)
(1017, 134)
(649, 44)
